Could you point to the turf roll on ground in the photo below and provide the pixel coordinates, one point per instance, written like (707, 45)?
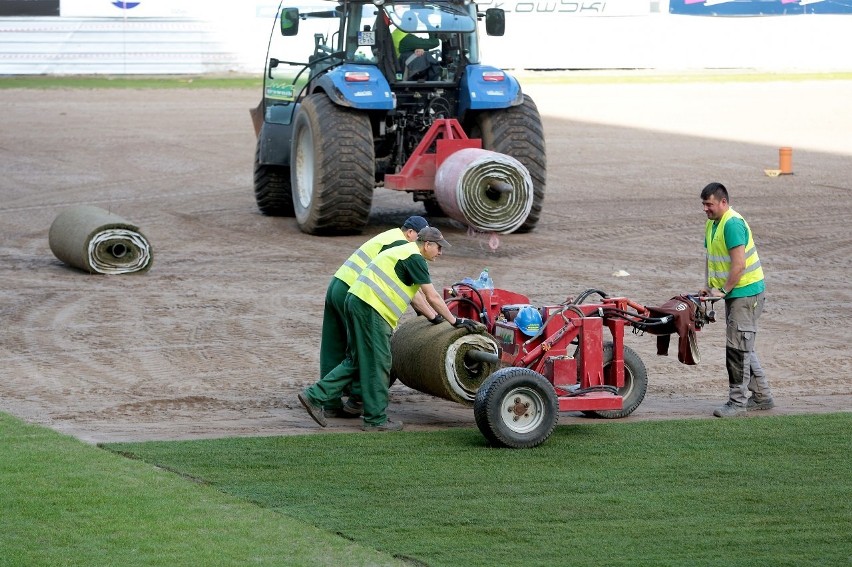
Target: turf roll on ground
(99, 242)
(431, 359)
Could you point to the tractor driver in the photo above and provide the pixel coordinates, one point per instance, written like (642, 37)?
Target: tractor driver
(372, 309)
(412, 51)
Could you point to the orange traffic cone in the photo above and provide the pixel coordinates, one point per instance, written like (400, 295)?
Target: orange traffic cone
(785, 161)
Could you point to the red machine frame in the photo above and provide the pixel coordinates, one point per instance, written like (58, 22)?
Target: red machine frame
(569, 348)
(444, 137)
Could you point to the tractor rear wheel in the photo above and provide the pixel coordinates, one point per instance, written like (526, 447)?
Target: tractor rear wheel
(433, 208)
(517, 132)
(272, 189)
(635, 383)
(332, 162)
(516, 408)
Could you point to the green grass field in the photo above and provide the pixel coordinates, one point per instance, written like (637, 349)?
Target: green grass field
(63, 502)
(128, 82)
(555, 77)
(771, 490)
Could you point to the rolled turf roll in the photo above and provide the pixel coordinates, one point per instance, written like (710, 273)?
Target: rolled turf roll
(431, 359)
(99, 242)
(488, 191)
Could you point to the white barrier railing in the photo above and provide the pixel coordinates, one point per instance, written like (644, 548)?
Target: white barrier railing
(224, 42)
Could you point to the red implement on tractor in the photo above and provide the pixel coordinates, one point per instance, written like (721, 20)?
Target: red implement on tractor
(571, 357)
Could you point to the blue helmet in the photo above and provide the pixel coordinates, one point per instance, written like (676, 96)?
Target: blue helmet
(528, 320)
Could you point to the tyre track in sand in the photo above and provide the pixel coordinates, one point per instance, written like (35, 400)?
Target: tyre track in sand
(224, 330)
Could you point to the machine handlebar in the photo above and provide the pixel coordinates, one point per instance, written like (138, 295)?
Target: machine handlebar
(704, 308)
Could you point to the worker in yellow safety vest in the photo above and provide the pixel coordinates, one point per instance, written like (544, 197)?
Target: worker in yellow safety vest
(372, 309)
(734, 272)
(333, 341)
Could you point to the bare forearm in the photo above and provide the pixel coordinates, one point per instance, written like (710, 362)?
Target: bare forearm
(737, 267)
(422, 305)
(437, 303)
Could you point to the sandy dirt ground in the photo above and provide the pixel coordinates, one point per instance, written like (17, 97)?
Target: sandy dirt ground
(219, 336)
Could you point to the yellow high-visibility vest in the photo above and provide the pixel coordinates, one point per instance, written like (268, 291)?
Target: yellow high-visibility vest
(719, 259)
(379, 287)
(397, 35)
(355, 264)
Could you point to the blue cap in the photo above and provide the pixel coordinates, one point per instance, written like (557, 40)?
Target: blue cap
(415, 223)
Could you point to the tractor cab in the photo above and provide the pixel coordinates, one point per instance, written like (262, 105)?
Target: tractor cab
(429, 42)
(407, 42)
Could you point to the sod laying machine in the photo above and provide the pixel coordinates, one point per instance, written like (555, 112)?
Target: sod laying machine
(518, 381)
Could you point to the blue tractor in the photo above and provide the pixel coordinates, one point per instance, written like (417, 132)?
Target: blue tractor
(352, 89)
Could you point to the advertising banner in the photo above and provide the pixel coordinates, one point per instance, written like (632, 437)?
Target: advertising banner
(570, 7)
(758, 7)
(19, 8)
(138, 9)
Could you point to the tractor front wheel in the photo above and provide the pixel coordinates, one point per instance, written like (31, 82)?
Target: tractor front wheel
(516, 408)
(272, 189)
(332, 163)
(635, 383)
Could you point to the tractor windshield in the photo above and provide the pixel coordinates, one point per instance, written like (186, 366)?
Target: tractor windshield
(417, 41)
(321, 35)
(430, 18)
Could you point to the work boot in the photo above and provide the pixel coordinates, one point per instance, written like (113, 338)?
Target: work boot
(314, 410)
(730, 409)
(353, 408)
(333, 412)
(755, 404)
(386, 426)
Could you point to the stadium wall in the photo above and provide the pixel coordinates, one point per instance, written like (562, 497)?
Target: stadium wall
(67, 37)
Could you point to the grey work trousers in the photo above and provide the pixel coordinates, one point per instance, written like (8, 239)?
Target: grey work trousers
(744, 371)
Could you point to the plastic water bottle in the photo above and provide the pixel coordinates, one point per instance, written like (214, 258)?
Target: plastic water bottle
(484, 281)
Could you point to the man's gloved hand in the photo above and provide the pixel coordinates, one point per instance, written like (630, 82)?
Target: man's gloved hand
(469, 324)
(437, 319)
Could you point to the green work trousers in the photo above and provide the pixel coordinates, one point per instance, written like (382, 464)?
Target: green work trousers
(367, 362)
(333, 341)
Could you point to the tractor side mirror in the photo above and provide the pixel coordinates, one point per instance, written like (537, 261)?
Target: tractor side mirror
(273, 63)
(289, 21)
(495, 21)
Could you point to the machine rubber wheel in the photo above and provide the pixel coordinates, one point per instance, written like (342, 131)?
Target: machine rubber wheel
(635, 383)
(516, 408)
(517, 132)
(332, 163)
(272, 189)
